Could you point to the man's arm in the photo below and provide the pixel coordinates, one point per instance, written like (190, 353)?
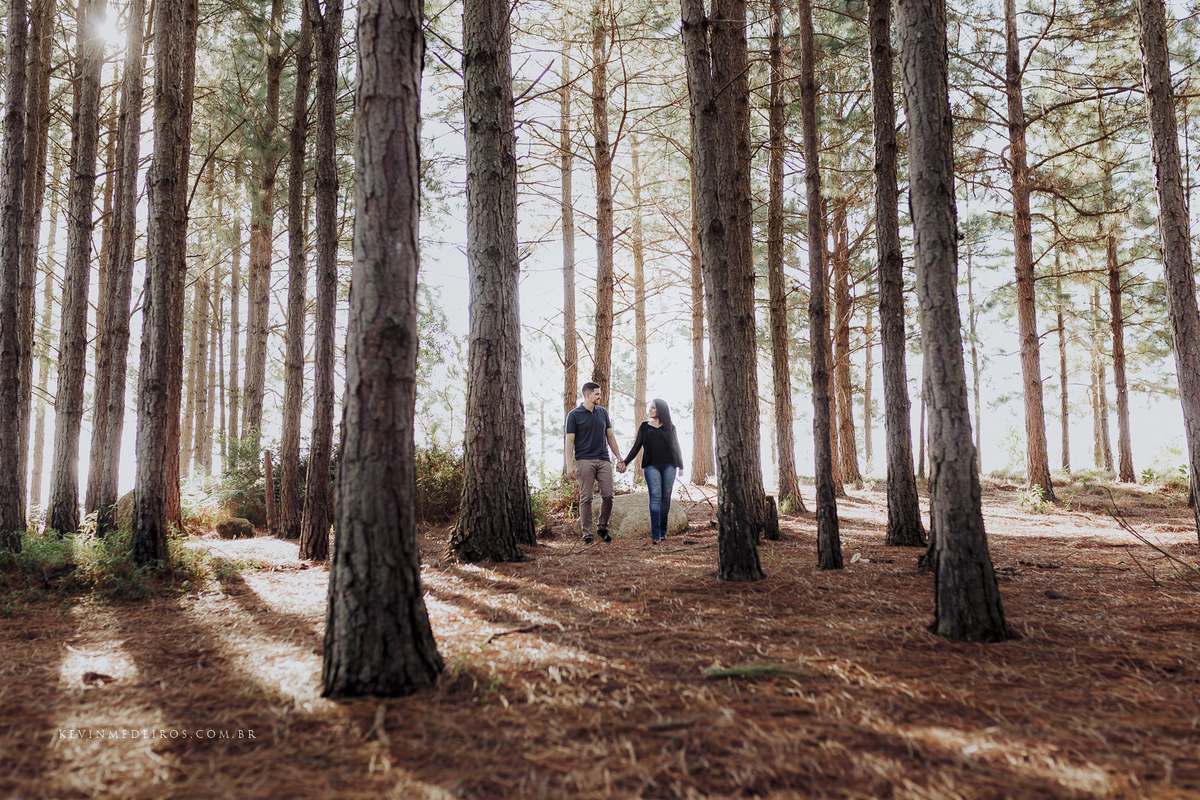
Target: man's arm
(571, 456)
(612, 442)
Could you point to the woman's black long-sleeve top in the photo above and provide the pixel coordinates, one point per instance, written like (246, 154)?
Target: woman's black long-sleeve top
(661, 444)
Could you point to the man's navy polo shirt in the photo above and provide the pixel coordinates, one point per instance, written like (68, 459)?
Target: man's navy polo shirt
(590, 428)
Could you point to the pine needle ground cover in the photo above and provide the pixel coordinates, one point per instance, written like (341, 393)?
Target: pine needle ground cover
(625, 671)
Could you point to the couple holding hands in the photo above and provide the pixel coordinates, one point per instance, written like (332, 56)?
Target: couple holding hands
(589, 437)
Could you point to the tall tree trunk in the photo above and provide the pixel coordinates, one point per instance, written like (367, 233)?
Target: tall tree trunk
(160, 374)
(1063, 379)
(868, 367)
(12, 174)
(262, 243)
(63, 510)
(212, 372)
(789, 498)
(318, 516)
(1173, 226)
(291, 509)
(496, 515)
(566, 159)
(639, 303)
(905, 528)
(921, 438)
(44, 340)
(100, 388)
(37, 129)
(203, 294)
(189, 387)
(967, 595)
(1125, 471)
(720, 108)
(702, 426)
(219, 337)
(829, 542)
(602, 351)
(234, 431)
(377, 635)
(1037, 458)
(972, 319)
(843, 308)
(1104, 438)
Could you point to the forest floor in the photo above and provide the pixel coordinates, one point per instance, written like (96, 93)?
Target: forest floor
(626, 671)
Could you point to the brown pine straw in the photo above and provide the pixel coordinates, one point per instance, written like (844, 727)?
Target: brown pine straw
(626, 671)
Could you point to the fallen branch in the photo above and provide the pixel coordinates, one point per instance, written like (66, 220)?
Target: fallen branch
(1183, 570)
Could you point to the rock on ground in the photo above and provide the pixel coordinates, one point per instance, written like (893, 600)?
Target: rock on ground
(630, 517)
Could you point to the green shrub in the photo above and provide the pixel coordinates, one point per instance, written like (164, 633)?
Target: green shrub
(439, 482)
(556, 498)
(1033, 500)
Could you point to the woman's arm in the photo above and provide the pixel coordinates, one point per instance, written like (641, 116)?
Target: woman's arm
(675, 448)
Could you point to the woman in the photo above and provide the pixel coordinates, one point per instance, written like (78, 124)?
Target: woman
(660, 463)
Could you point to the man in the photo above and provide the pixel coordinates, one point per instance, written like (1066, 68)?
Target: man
(589, 435)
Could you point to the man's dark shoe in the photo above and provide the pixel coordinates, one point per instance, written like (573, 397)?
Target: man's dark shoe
(587, 539)
(604, 535)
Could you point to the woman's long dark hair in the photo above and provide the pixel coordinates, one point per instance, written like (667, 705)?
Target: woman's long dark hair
(664, 413)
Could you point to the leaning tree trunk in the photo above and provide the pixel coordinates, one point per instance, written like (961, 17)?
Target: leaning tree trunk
(290, 505)
(829, 543)
(1173, 227)
(567, 157)
(63, 511)
(496, 515)
(377, 635)
(789, 498)
(314, 530)
(904, 511)
(161, 353)
(12, 174)
(720, 108)
(967, 594)
(1037, 459)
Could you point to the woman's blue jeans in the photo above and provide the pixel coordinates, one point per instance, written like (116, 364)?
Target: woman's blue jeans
(660, 480)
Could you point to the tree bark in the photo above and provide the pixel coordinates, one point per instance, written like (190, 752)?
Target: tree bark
(1037, 458)
(44, 341)
(720, 109)
(602, 351)
(291, 509)
(567, 157)
(702, 426)
(63, 510)
(847, 449)
(829, 543)
(904, 511)
(639, 303)
(318, 516)
(37, 129)
(235, 328)
(788, 493)
(269, 494)
(1125, 471)
(12, 175)
(189, 386)
(262, 242)
(496, 515)
(868, 367)
(1173, 225)
(967, 595)
(162, 321)
(972, 318)
(1063, 378)
(377, 635)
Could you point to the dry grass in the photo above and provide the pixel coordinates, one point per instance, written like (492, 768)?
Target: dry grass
(625, 671)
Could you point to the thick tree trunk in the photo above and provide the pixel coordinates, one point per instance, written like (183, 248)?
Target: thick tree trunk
(639, 302)
(702, 426)
(720, 108)
(968, 600)
(63, 510)
(847, 449)
(1173, 225)
(291, 509)
(1037, 458)
(12, 174)
(829, 542)
(496, 515)
(262, 242)
(571, 384)
(377, 635)
(602, 351)
(45, 341)
(788, 493)
(904, 510)
(37, 130)
(318, 516)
